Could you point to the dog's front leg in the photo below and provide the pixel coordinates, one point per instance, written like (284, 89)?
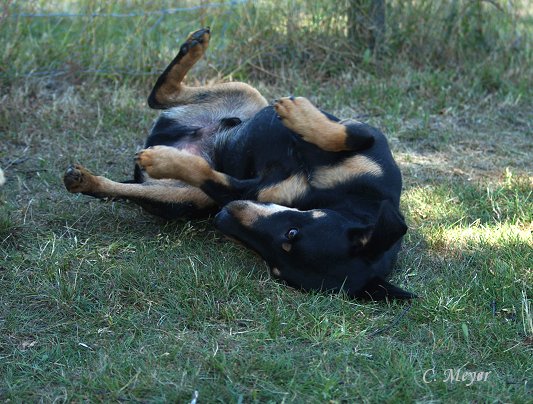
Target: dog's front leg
(302, 117)
(78, 179)
(168, 162)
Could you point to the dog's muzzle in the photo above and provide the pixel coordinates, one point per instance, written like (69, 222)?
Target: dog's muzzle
(222, 219)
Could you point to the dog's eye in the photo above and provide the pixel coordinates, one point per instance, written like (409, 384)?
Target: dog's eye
(291, 234)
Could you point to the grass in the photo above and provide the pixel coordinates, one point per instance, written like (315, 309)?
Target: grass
(102, 302)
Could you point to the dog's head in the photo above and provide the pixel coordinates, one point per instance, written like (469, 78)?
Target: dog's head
(320, 249)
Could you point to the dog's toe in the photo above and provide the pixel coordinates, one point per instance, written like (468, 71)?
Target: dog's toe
(144, 158)
(280, 109)
(72, 173)
(201, 35)
(198, 40)
(284, 106)
(78, 179)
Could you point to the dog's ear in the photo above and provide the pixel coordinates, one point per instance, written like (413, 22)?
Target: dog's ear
(375, 239)
(379, 289)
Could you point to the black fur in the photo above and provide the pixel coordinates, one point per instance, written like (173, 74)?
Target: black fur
(262, 152)
(340, 227)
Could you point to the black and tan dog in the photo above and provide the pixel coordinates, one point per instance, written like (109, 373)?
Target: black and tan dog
(316, 197)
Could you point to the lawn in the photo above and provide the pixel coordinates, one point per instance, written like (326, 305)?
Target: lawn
(100, 301)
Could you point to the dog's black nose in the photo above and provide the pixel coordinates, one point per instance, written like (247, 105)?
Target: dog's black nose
(228, 217)
(222, 218)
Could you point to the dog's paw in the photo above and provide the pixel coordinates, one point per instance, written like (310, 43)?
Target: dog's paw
(298, 114)
(144, 158)
(157, 161)
(78, 179)
(196, 44)
(302, 117)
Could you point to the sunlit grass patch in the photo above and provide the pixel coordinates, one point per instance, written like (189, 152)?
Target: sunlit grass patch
(478, 236)
(465, 238)
(452, 203)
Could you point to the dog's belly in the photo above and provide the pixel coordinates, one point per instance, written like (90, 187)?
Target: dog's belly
(193, 139)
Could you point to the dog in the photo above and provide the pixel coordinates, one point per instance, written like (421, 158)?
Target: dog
(316, 197)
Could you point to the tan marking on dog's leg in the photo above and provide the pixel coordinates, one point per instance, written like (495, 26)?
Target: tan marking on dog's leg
(78, 179)
(285, 192)
(169, 91)
(169, 162)
(329, 177)
(172, 91)
(302, 117)
(198, 46)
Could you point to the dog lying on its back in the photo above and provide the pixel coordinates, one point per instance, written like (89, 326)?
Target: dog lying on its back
(316, 197)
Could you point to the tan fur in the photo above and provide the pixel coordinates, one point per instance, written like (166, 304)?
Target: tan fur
(247, 213)
(276, 272)
(302, 117)
(173, 92)
(222, 93)
(317, 214)
(285, 192)
(286, 246)
(329, 177)
(169, 162)
(170, 88)
(79, 179)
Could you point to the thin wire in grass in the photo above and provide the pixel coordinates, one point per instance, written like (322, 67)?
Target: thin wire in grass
(95, 71)
(55, 73)
(161, 12)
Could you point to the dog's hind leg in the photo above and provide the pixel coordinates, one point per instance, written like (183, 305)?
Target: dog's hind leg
(154, 195)
(302, 117)
(169, 91)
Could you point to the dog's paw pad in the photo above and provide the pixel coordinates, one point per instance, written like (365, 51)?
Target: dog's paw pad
(301, 116)
(145, 158)
(157, 161)
(288, 106)
(202, 35)
(196, 43)
(78, 179)
(292, 108)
